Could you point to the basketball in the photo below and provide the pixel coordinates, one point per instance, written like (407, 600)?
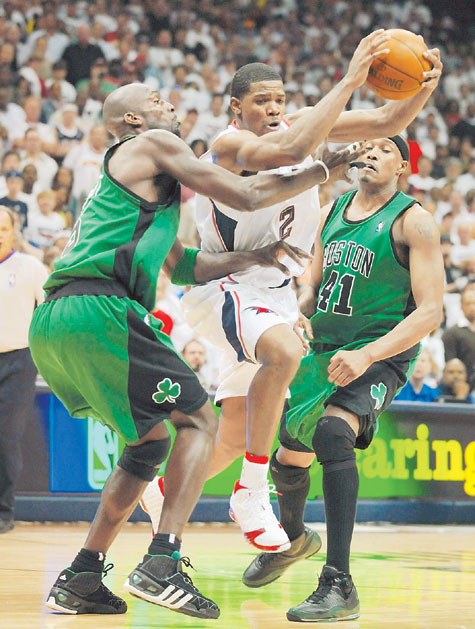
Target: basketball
(399, 73)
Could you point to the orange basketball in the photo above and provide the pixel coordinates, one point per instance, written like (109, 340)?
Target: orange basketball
(398, 74)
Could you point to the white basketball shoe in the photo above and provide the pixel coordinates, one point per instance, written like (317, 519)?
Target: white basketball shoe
(152, 501)
(251, 509)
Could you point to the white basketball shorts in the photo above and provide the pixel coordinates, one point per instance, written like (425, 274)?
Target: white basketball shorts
(232, 317)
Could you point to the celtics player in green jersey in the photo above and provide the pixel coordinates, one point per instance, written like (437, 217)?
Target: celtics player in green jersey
(104, 356)
(376, 290)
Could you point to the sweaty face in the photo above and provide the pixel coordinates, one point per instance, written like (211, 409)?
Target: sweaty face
(382, 161)
(159, 114)
(262, 108)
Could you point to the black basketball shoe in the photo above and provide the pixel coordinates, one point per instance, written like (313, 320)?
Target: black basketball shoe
(268, 567)
(84, 593)
(334, 599)
(159, 579)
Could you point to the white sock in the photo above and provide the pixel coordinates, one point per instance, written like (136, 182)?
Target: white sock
(254, 471)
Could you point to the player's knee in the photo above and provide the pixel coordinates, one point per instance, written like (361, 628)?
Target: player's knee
(143, 460)
(284, 356)
(334, 443)
(288, 477)
(204, 419)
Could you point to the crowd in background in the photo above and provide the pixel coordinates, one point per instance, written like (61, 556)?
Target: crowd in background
(59, 60)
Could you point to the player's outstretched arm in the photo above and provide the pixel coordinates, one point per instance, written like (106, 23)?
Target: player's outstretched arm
(393, 117)
(246, 151)
(197, 267)
(422, 237)
(172, 156)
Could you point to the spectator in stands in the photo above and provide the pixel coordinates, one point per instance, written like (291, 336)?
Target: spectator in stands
(14, 180)
(465, 247)
(416, 388)
(32, 73)
(100, 76)
(32, 154)
(46, 223)
(466, 182)
(68, 93)
(85, 161)
(210, 122)
(52, 104)
(56, 41)
(10, 161)
(81, 55)
(199, 147)
(163, 55)
(459, 340)
(415, 151)
(21, 285)
(32, 108)
(68, 131)
(11, 114)
(454, 386)
(423, 180)
(31, 187)
(194, 352)
(440, 162)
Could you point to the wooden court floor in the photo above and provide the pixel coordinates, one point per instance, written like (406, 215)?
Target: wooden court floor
(407, 577)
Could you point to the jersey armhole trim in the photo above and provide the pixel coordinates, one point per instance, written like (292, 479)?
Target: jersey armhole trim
(146, 205)
(391, 236)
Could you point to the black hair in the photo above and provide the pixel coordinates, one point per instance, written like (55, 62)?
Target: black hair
(251, 73)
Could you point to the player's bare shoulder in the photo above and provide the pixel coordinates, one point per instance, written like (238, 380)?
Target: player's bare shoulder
(416, 227)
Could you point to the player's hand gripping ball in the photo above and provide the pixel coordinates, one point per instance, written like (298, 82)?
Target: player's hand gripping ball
(399, 74)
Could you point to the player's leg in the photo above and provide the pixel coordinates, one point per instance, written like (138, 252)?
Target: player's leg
(231, 435)
(348, 422)
(334, 443)
(278, 351)
(290, 471)
(17, 390)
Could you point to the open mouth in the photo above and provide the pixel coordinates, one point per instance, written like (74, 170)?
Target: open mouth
(370, 167)
(273, 125)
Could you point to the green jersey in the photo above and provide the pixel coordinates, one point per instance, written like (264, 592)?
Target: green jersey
(365, 289)
(120, 237)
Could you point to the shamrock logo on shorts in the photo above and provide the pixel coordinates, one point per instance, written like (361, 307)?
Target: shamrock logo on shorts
(378, 393)
(167, 391)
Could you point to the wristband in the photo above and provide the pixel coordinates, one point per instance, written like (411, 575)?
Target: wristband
(325, 168)
(183, 271)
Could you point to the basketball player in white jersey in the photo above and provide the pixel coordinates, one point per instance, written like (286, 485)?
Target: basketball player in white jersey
(251, 315)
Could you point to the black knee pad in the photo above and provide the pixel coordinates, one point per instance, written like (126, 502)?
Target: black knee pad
(334, 443)
(288, 477)
(142, 461)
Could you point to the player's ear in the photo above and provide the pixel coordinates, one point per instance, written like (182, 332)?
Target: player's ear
(236, 106)
(402, 168)
(132, 119)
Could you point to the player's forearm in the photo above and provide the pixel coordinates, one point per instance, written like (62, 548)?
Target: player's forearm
(383, 122)
(263, 190)
(400, 114)
(212, 266)
(310, 130)
(407, 333)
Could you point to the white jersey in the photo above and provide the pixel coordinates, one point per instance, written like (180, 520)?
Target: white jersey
(222, 228)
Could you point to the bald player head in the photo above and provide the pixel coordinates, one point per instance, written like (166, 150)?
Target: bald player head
(135, 108)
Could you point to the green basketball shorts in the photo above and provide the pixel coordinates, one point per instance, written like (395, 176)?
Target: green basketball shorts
(367, 397)
(105, 357)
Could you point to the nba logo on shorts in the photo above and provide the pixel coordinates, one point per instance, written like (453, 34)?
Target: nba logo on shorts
(102, 453)
(12, 280)
(379, 227)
